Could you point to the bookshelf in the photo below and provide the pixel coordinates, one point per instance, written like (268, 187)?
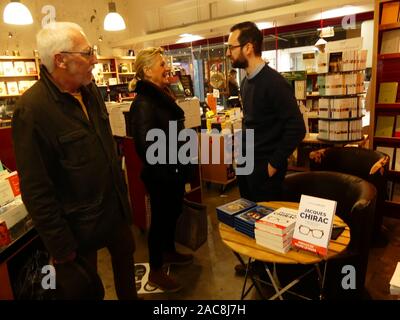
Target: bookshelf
(341, 95)
(17, 74)
(125, 68)
(104, 70)
(385, 95)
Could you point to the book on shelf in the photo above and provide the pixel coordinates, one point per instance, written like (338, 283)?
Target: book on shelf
(390, 42)
(12, 88)
(387, 92)
(396, 133)
(8, 68)
(3, 90)
(30, 67)
(384, 126)
(314, 222)
(390, 12)
(397, 160)
(19, 68)
(389, 151)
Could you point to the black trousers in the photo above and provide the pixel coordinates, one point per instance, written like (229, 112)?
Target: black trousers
(258, 186)
(121, 247)
(166, 199)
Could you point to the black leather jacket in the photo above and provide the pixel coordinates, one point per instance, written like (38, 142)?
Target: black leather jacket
(154, 108)
(70, 173)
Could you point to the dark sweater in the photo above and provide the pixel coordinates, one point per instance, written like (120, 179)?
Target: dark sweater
(270, 108)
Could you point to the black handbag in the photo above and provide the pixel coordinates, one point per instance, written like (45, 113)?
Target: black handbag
(192, 226)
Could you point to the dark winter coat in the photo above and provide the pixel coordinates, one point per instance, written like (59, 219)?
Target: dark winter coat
(70, 173)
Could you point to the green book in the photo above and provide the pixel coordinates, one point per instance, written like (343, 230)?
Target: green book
(387, 92)
(384, 126)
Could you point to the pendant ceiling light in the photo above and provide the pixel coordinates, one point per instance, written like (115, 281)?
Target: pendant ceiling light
(113, 20)
(17, 13)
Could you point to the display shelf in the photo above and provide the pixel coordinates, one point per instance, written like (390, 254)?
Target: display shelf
(388, 106)
(385, 114)
(389, 26)
(17, 74)
(341, 119)
(388, 56)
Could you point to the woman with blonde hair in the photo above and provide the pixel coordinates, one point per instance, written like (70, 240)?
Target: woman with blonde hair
(154, 107)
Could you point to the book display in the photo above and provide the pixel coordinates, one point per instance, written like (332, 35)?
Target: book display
(313, 227)
(385, 96)
(341, 89)
(125, 68)
(105, 71)
(17, 74)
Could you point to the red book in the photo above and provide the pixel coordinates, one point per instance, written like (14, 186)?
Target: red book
(14, 183)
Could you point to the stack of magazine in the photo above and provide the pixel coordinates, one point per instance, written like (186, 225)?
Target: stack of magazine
(275, 231)
(227, 212)
(244, 222)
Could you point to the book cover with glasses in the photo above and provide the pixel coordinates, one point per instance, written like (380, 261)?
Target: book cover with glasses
(281, 221)
(313, 228)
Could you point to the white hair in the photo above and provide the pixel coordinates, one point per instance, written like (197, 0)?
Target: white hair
(54, 38)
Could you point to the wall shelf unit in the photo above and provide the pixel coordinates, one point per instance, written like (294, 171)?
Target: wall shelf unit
(385, 96)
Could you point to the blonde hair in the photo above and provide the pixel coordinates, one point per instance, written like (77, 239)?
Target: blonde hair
(144, 59)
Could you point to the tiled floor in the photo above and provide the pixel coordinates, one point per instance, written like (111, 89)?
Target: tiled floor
(212, 274)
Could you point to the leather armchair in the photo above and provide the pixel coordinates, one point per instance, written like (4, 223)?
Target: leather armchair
(355, 205)
(370, 165)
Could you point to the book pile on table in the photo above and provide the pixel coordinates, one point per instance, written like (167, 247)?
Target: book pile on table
(227, 212)
(244, 222)
(275, 231)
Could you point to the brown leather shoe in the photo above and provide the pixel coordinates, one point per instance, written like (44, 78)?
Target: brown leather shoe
(177, 258)
(158, 278)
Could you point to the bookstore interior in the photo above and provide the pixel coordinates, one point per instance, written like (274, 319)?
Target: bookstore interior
(342, 59)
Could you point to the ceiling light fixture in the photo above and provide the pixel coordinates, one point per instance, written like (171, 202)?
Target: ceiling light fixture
(187, 37)
(113, 20)
(17, 13)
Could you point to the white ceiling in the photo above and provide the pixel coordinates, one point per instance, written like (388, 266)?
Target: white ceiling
(160, 22)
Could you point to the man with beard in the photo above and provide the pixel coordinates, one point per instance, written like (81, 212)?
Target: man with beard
(70, 173)
(270, 109)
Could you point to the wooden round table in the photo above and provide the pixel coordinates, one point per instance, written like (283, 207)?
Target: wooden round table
(241, 244)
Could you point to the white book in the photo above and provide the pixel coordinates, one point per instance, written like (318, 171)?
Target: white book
(280, 221)
(12, 88)
(273, 239)
(30, 67)
(3, 90)
(314, 222)
(270, 246)
(19, 68)
(389, 151)
(8, 68)
(395, 281)
(6, 193)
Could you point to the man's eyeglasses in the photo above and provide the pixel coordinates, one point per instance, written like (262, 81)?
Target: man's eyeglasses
(231, 47)
(88, 53)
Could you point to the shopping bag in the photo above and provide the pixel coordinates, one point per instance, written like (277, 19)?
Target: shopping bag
(191, 228)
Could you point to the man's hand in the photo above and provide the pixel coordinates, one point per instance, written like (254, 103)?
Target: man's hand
(271, 170)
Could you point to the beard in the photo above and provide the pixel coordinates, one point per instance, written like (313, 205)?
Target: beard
(241, 62)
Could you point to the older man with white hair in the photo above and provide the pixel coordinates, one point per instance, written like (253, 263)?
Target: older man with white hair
(70, 173)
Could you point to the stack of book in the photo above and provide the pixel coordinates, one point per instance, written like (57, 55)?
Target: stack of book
(244, 222)
(275, 230)
(227, 212)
